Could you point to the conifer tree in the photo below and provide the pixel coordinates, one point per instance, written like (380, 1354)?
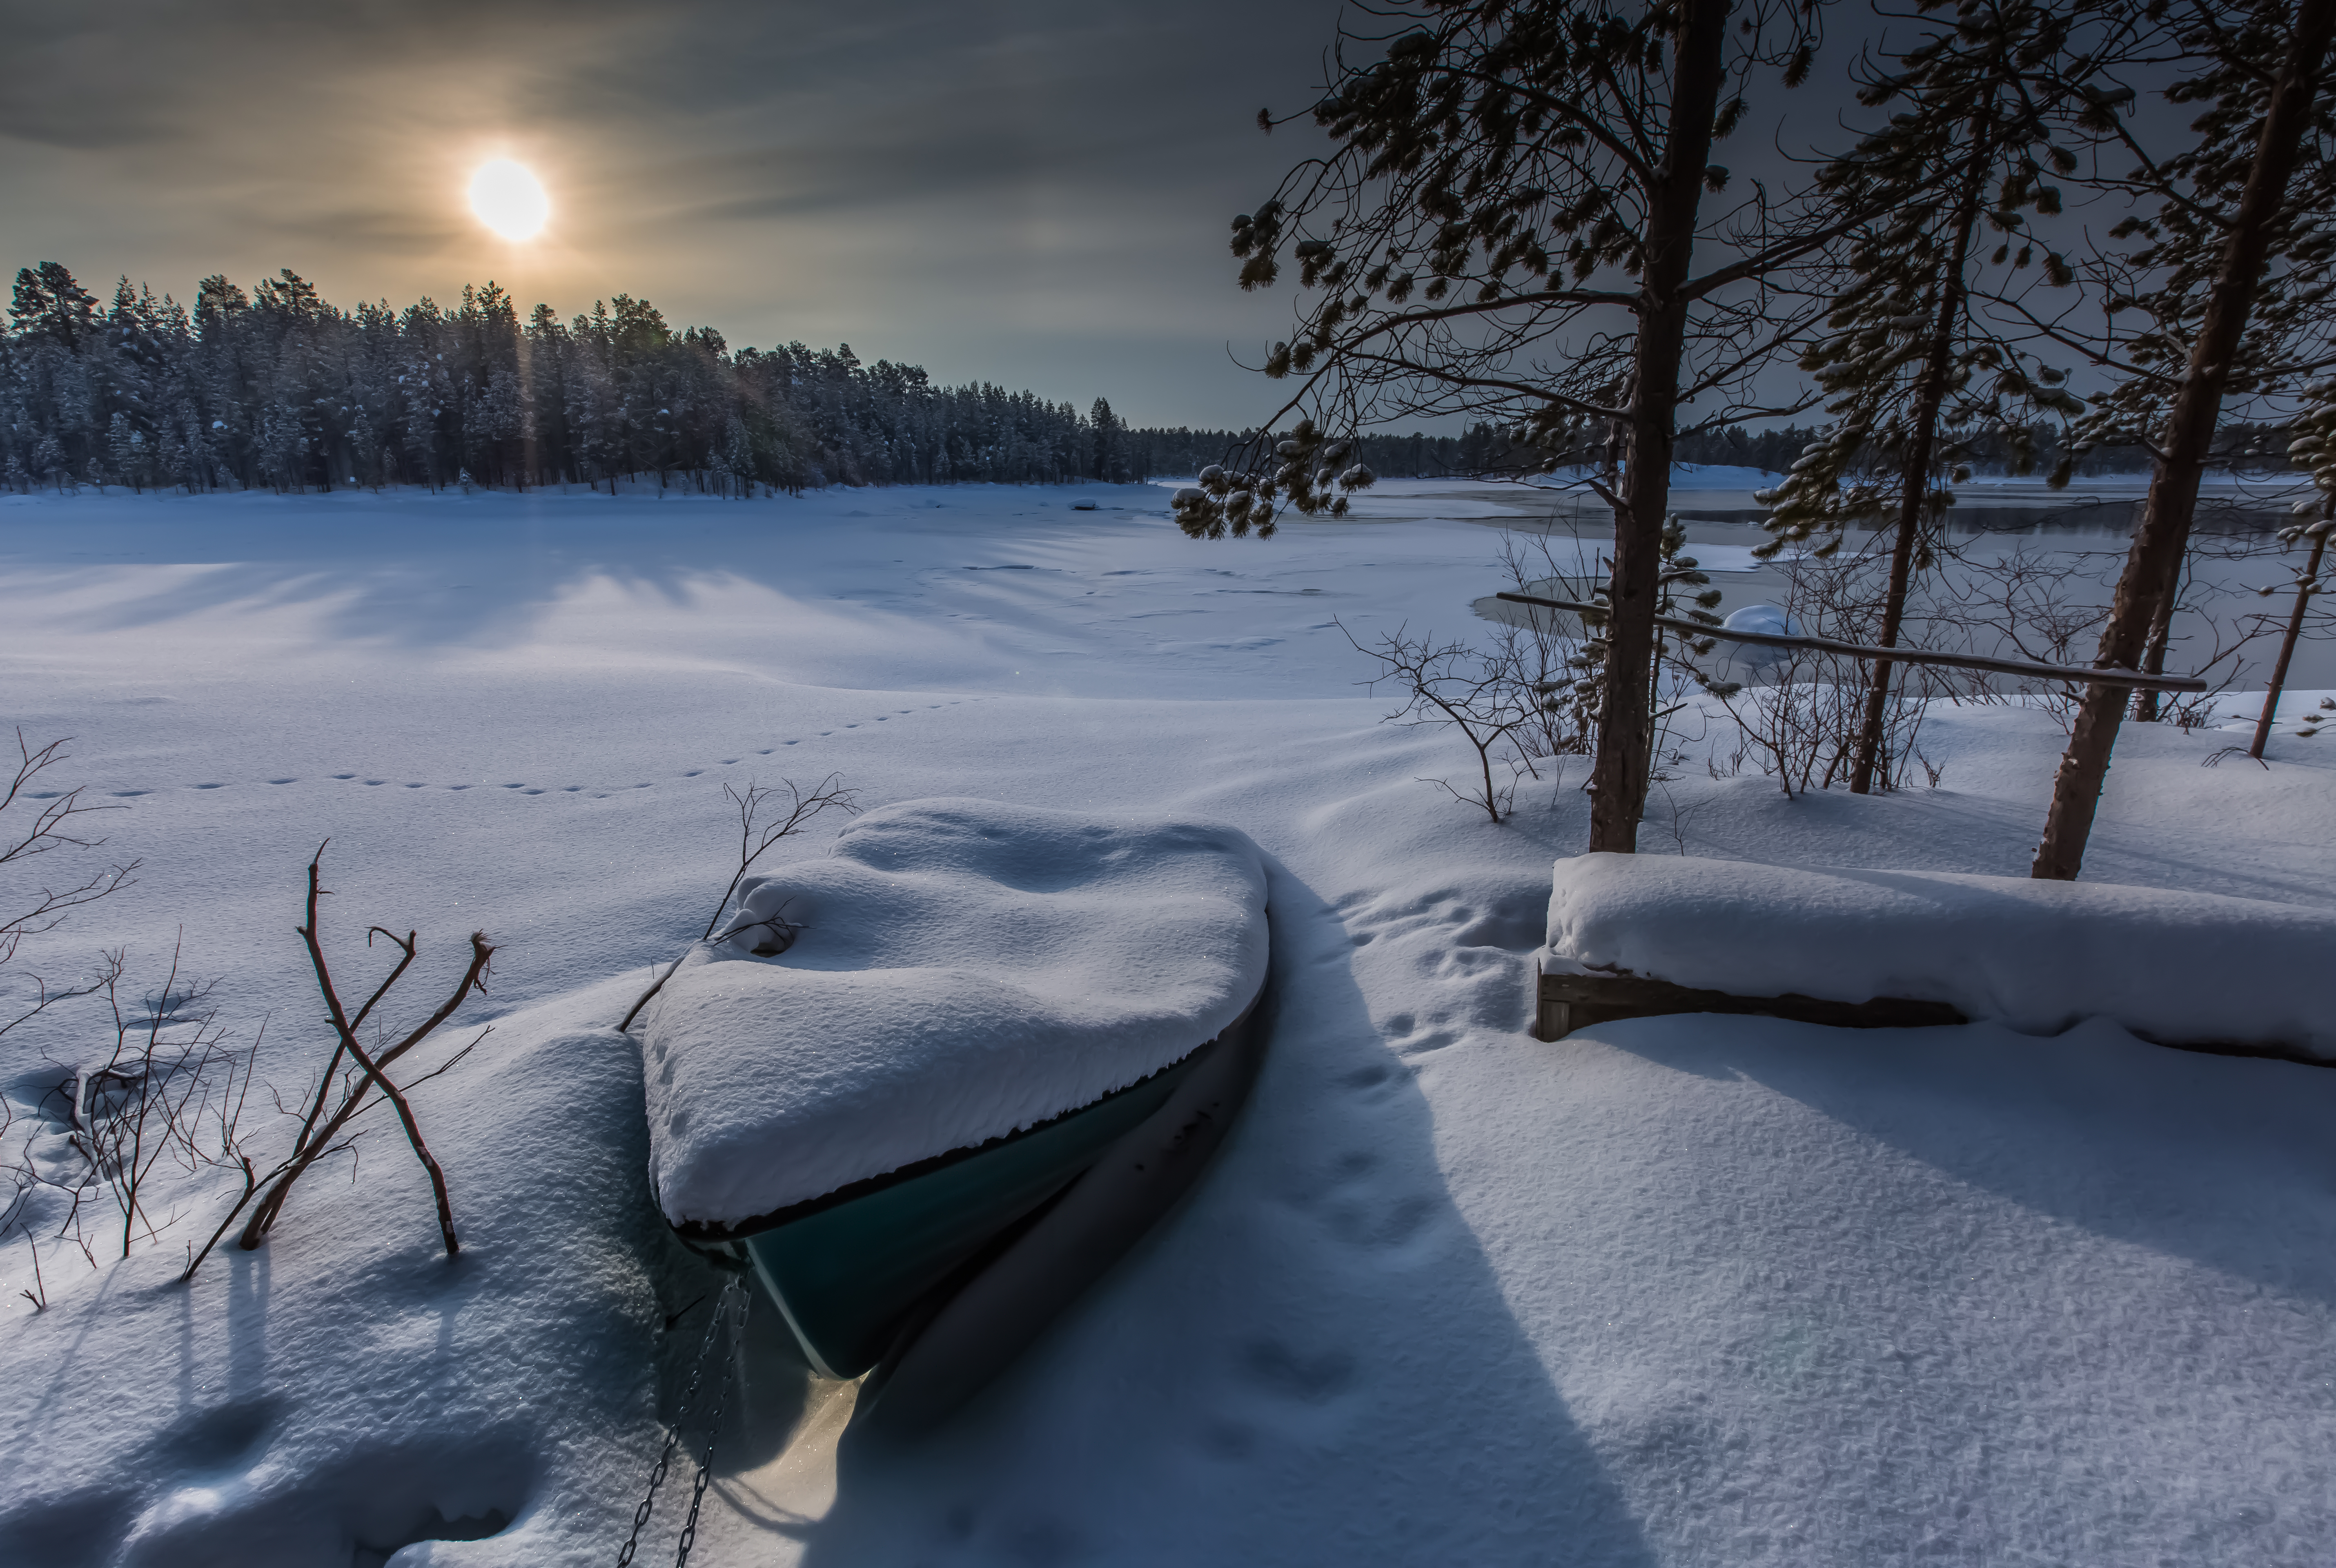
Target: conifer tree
(2314, 448)
(49, 302)
(1907, 362)
(1511, 225)
(1110, 437)
(2232, 276)
(279, 387)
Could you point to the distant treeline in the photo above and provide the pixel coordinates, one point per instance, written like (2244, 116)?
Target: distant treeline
(279, 389)
(1487, 450)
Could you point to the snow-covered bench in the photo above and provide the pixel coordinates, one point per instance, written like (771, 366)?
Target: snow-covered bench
(1632, 935)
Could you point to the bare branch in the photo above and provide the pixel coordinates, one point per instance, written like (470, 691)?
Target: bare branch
(760, 826)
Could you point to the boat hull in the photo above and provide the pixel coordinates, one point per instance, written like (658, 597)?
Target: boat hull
(1047, 1262)
(861, 1274)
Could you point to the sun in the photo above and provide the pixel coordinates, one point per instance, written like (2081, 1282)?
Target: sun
(509, 198)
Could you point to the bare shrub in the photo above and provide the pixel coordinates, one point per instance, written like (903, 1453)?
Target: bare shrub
(1531, 696)
(2043, 605)
(2050, 605)
(37, 823)
(764, 820)
(167, 1096)
(144, 1103)
(1473, 691)
(1804, 722)
(1550, 662)
(343, 1092)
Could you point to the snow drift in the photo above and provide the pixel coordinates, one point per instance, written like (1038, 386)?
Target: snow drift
(2037, 957)
(964, 968)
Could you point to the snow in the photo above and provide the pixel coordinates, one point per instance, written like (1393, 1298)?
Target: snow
(965, 969)
(1752, 661)
(1685, 1291)
(1761, 618)
(355, 1389)
(2036, 957)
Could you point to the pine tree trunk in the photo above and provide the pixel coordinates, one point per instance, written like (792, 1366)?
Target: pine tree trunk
(2153, 566)
(2287, 647)
(1618, 779)
(2146, 704)
(1915, 478)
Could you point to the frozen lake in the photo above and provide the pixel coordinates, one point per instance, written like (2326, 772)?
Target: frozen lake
(2085, 527)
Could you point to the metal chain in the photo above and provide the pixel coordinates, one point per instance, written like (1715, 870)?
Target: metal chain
(713, 1430)
(672, 1433)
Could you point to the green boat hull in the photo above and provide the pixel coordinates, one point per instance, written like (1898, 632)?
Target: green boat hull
(862, 1274)
(847, 1277)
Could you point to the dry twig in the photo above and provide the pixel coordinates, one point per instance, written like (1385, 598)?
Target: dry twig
(757, 835)
(323, 1134)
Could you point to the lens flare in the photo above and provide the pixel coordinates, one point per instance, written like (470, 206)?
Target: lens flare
(509, 198)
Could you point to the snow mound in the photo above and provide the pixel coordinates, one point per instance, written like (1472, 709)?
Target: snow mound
(2037, 957)
(964, 968)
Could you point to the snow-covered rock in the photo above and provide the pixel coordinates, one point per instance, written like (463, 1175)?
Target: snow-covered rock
(1766, 619)
(2035, 955)
(1755, 660)
(964, 968)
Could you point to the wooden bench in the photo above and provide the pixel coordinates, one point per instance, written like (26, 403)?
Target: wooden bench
(1570, 1002)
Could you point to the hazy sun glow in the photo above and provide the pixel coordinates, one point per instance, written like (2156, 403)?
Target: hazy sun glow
(509, 198)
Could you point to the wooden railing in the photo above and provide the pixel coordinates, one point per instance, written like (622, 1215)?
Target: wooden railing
(2081, 675)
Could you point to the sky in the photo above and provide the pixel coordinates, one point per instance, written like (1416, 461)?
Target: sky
(1035, 193)
(1031, 192)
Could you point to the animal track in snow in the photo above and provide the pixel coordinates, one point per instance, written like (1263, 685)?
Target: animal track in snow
(1311, 1379)
(582, 789)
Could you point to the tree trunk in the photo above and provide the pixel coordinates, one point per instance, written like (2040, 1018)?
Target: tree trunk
(2153, 659)
(2154, 564)
(2310, 580)
(1915, 478)
(1618, 779)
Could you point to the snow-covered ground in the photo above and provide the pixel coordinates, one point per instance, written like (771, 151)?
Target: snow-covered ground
(1680, 1290)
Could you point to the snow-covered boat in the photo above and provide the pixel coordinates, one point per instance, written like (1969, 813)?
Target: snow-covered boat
(980, 1050)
